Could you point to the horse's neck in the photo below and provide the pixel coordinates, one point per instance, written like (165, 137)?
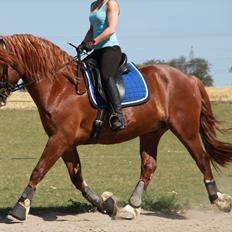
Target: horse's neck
(39, 90)
(48, 92)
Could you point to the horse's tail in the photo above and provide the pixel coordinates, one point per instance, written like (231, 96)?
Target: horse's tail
(7, 57)
(219, 152)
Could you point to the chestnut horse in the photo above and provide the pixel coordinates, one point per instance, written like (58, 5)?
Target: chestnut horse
(178, 102)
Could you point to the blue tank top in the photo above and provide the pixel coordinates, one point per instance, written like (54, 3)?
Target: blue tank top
(99, 22)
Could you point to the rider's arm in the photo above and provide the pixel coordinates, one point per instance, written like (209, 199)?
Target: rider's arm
(113, 15)
(89, 35)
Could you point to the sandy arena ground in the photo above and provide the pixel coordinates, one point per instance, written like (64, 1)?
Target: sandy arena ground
(191, 221)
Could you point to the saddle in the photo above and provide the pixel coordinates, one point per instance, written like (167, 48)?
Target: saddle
(91, 66)
(129, 80)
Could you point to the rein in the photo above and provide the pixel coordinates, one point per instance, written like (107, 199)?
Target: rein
(79, 61)
(22, 85)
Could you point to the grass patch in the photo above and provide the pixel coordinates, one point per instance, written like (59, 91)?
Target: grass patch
(167, 203)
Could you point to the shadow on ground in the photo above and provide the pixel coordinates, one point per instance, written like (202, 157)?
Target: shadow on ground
(50, 213)
(169, 215)
(56, 213)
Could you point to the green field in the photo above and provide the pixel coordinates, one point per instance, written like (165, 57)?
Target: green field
(114, 168)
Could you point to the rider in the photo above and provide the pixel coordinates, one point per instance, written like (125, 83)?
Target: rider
(101, 37)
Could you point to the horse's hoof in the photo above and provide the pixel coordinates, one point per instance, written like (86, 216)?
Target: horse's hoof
(128, 212)
(223, 202)
(106, 195)
(20, 210)
(108, 206)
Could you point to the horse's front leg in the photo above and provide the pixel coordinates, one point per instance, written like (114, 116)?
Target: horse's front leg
(72, 161)
(148, 153)
(55, 147)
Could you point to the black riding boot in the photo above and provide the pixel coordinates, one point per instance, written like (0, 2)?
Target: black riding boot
(116, 119)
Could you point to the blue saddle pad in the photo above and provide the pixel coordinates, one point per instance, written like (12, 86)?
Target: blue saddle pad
(136, 90)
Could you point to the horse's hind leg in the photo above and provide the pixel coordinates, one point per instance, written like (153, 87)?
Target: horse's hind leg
(190, 137)
(73, 164)
(148, 152)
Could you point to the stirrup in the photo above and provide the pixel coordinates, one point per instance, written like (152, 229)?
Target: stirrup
(117, 122)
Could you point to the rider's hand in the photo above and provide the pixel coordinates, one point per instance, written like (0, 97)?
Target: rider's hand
(89, 45)
(85, 46)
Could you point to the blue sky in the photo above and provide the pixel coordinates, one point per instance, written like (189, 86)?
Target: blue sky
(149, 29)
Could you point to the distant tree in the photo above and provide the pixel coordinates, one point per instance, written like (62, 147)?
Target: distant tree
(230, 70)
(179, 63)
(154, 62)
(200, 68)
(196, 66)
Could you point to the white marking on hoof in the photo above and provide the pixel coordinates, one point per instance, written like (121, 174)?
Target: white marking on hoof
(27, 205)
(13, 219)
(128, 212)
(224, 202)
(106, 195)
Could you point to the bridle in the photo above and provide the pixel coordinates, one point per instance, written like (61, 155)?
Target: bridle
(5, 87)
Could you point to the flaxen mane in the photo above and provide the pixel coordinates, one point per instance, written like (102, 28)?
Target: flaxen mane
(38, 57)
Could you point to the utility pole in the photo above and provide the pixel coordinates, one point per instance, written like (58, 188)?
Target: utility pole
(191, 53)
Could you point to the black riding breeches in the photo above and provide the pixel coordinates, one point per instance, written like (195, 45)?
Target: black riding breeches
(108, 60)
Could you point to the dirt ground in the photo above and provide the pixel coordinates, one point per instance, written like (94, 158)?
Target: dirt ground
(191, 221)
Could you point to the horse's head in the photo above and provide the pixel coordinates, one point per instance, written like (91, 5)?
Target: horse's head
(32, 59)
(8, 77)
